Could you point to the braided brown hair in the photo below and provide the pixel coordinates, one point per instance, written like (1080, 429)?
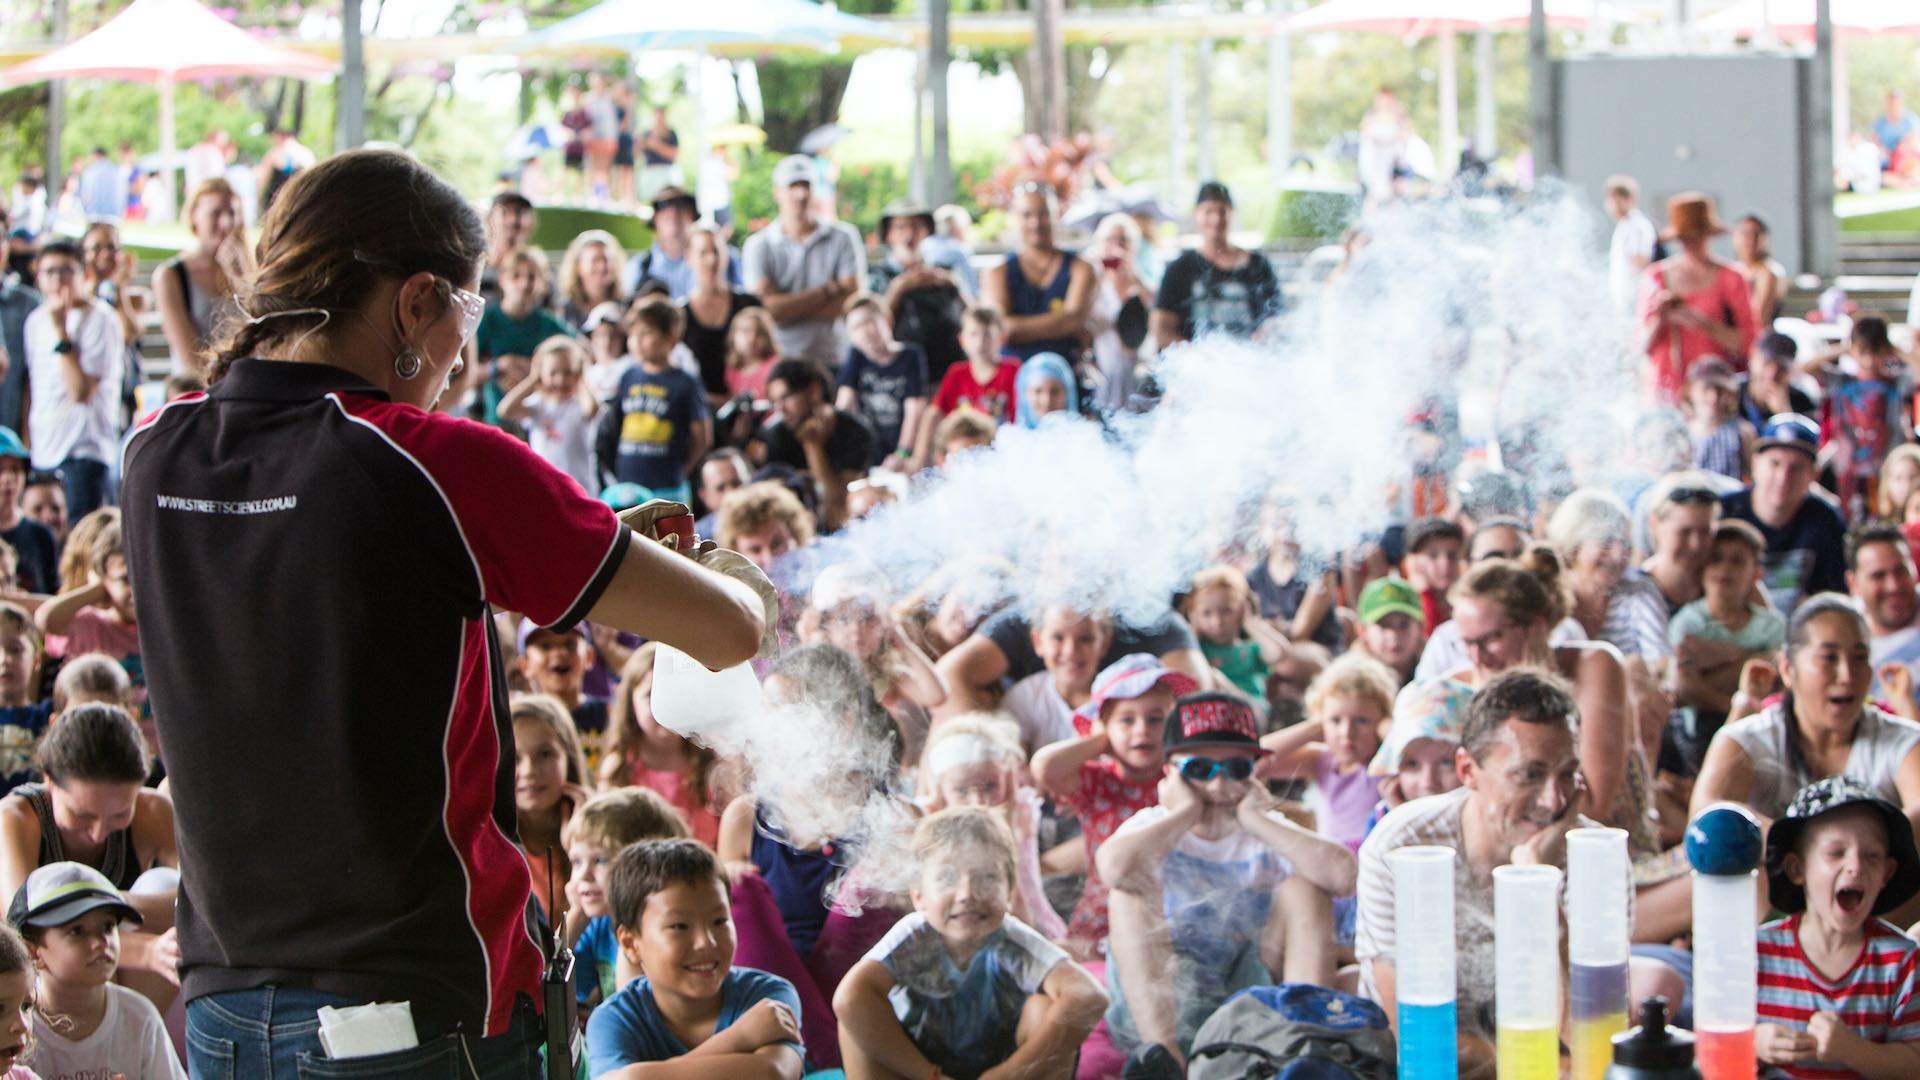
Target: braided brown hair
(334, 230)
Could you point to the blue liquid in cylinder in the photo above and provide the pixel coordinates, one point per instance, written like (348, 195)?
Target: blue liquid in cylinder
(1427, 1047)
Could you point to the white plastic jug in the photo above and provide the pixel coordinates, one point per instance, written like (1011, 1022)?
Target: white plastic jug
(708, 706)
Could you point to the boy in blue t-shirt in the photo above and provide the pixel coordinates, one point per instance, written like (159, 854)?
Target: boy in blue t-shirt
(657, 425)
(673, 921)
(960, 988)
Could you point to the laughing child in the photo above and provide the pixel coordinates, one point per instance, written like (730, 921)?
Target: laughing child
(1837, 983)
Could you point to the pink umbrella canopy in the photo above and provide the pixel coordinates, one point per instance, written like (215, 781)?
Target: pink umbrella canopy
(1420, 18)
(166, 41)
(1792, 20)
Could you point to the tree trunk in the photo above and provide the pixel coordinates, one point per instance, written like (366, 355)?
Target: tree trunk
(1047, 98)
(798, 96)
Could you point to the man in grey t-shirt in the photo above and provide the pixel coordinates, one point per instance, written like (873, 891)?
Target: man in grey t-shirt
(804, 269)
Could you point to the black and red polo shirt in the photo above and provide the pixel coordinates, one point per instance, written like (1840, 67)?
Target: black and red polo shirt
(316, 568)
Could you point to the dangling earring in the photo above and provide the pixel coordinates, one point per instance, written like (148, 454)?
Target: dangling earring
(408, 363)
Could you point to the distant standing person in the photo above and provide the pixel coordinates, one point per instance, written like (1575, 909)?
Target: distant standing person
(660, 153)
(194, 290)
(804, 269)
(674, 212)
(923, 301)
(286, 157)
(1766, 278)
(1692, 304)
(1893, 125)
(950, 248)
(75, 357)
(1634, 242)
(1045, 292)
(1216, 288)
(714, 186)
(623, 144)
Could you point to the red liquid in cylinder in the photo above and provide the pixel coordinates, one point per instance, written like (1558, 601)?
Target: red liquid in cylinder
(1724, 1055)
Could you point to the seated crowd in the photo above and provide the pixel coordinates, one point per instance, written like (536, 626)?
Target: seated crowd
(1115, 825)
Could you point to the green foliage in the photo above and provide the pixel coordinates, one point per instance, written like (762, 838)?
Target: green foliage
(1304, 214)
(558, 225)
(865, 188)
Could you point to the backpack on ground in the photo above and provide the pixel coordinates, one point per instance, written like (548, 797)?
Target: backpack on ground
(1293, 1032)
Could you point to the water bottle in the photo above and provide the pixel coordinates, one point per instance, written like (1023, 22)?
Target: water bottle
(1653, 1051)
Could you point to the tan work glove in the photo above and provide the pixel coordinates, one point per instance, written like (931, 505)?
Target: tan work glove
(738, 567)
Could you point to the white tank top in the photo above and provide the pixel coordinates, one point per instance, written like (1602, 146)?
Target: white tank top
(1880, 742)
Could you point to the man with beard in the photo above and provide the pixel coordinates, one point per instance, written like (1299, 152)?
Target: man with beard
(1881, 579)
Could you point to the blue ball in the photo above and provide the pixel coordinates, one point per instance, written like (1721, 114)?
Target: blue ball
(1724, 839)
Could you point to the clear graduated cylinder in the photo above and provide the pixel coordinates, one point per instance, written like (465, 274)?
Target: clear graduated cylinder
(703, 704)
(1725, 974)
(1599, 942)
(1424, 950)
(1526, 959)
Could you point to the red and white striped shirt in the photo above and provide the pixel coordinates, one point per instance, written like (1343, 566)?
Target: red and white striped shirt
(1875, 997)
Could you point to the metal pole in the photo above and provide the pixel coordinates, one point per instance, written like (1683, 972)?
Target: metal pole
(350, 107)
(1820, 227)
(917, 164)
(1484, 136)
(1176, 123)
(1280, 94)
(940, 182)
(1203, 109)
(1540, 105)
(56, 111)
(1449, 158)
(169, 145)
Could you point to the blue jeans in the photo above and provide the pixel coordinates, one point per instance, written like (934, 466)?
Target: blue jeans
(272, 1033)
(85, 483)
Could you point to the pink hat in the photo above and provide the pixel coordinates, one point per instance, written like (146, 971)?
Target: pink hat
(1130, 677)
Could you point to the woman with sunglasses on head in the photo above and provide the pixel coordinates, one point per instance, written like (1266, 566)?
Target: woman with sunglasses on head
(319, 557)
(1680, 512)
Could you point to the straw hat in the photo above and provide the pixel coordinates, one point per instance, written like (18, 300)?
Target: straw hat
(1690, 216)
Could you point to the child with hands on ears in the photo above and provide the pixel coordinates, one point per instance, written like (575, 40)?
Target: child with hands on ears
(975, 760)
(1214, 885)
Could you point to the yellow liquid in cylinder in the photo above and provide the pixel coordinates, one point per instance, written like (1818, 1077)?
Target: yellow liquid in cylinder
(1593, 1045)
(1529, 1053)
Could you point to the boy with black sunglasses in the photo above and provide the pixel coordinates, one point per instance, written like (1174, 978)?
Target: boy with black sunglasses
(1213, 885)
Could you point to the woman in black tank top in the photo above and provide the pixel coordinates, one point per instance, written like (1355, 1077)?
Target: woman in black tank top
(92, 809)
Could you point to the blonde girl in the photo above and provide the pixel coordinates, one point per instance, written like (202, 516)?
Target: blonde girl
(643, 753)
(549, 783)
(751, 352)
(975, 759)
(555, 407)
(1899, 482)
(1239, 644)
(1348, 708)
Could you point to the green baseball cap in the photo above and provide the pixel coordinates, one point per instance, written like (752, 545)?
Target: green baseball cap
(1384, 596)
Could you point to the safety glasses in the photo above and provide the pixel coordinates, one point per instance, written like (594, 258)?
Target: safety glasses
(1199, 770)
(470, 306)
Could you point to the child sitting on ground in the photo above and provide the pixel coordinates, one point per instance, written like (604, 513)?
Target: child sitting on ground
(1347, 706)
(1714, 637)
(975, 760)
(1070, 644)
(83, 1023)
(1722, 441)
(1110, 770)
(603, 828)
(987, 382)
(1215, 886)
(22, 718)
(960, 988)
(16, 1004)
(645, 753)
(849, 610)
(673, 921)
(1239, 644)
(549, 784)
(556, 408)
(1416, 757)
(1837, 989)
(555, 663)
(882, 381)
(98, 616)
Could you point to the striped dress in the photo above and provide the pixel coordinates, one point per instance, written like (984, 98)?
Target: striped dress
(1718, 451)
(1875, 997)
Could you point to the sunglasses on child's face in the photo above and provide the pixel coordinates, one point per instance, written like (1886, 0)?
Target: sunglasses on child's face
(1199, 770)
